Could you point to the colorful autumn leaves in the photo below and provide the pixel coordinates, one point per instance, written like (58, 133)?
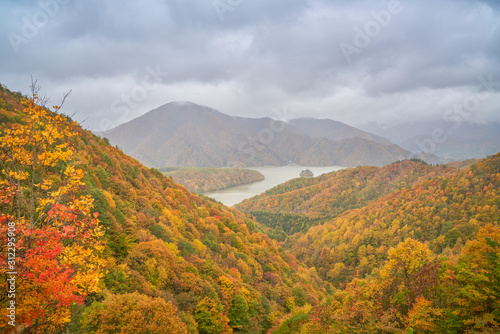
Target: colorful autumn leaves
(58, 240)
(415, 291)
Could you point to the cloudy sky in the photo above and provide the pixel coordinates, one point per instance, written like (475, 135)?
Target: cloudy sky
(357, 61)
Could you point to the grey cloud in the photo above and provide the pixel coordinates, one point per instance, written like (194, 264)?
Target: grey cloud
(263, 55)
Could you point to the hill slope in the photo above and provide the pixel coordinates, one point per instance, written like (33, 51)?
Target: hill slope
(442, 211)
(297, 204)
(181, 263)
(186, 134)
(202, 180)
(421, 259)
(165, 244)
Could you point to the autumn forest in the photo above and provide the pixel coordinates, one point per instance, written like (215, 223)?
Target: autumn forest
(92, 241)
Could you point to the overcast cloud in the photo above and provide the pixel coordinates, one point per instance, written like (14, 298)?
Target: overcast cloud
(277, 58)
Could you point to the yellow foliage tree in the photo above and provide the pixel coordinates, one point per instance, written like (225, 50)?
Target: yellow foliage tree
(397, 276)
(51, 242)
(422, 318)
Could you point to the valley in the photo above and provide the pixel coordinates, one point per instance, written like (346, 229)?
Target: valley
(274, 175)
(250, 167)
(363, 249)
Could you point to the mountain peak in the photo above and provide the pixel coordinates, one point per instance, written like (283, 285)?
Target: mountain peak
(185, 104)
(183, 133)
(186, 110)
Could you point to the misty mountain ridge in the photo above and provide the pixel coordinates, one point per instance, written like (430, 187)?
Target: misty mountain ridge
(333, 130)
(188, 134)
(450, 140)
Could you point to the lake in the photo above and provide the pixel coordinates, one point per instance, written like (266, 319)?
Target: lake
(274, 175)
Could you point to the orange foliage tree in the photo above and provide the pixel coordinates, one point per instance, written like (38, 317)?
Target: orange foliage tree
(50, 241)
(133, 313)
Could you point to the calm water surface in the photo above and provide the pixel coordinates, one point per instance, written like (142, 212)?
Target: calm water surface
(274, 175)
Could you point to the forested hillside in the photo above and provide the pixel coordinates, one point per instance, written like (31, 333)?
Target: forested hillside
(445, 212)
(201, 180)
(411, 247)
(106, 245)
(463, 164)
(296, 205)
(416, 290)
(178, 260)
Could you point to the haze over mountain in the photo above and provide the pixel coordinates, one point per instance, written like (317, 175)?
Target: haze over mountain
(453, 139)
(187, 134)
(333, 130)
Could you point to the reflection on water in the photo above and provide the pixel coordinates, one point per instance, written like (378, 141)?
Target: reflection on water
(274, 175)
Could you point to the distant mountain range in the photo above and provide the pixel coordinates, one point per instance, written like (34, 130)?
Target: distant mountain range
(334, 130)
(453, 140)
(187, 134)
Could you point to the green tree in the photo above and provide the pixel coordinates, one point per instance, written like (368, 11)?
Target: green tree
(238, 312)
(208, 314)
